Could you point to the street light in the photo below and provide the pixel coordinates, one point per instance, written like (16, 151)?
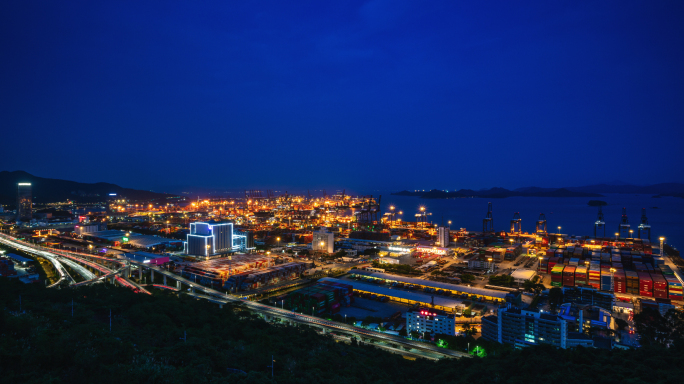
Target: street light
(662, 246)
(617, 234)
(631, 231)
(559, 230)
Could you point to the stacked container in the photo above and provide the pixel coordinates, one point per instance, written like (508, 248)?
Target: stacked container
(632, 282)
(659, 286)
(674, 288)
(581, 275)
(594, 276)
(557, 276)
(619, 282)
(606, 279)
(645, 284)
(552, 263)
(543, 264)
(569, 276)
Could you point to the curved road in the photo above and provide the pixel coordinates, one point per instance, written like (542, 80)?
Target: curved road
(220, 297)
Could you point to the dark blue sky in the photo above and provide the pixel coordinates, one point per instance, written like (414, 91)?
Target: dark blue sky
(376, 94)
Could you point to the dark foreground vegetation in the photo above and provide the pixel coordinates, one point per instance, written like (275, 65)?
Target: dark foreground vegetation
(166, 339)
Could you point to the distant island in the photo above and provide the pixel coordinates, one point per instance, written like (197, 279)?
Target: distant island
(658, 190)
(596, 203)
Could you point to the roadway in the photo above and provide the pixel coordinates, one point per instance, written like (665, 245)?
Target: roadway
(63, 275)
(223, 298)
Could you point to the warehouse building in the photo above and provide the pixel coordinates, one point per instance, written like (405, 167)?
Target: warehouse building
(452, 289)
(446, 304)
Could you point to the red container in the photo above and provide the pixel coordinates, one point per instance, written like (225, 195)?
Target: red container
(620, 282)
(659, 294)
(659, 281)
(645, 282)
(646, 293)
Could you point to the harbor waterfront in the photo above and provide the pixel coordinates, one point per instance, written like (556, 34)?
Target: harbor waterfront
(572, 214)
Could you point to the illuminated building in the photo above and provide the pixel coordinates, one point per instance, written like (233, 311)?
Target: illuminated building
(430, 320)
(206, 240)
(24, 202)
(443, 236)
(323, 241)
(522, 328)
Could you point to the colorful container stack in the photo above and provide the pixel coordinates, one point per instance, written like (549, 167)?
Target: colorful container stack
(557, 276)
(569, 276)
(594, 275)
(632, 282)
(581, 274)
(552, 263)
(544, 264)
(645, 284)
(674, 288)
(619, 282)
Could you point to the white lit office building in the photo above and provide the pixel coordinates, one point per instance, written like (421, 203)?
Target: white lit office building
(430, 320)
(208, 240)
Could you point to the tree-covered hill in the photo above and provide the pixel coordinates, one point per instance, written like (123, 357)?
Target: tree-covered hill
(166, 339)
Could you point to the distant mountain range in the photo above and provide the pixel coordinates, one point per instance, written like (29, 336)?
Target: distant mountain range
(663, 189)
(54, 190)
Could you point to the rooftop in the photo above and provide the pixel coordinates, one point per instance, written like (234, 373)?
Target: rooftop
(434, 284)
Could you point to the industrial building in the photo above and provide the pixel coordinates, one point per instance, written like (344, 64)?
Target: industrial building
(147, 258)
(522, 328)
(213, 240)
(323, 241)
(430, 320)
(452, 289)
(21, 260)
(24, 202)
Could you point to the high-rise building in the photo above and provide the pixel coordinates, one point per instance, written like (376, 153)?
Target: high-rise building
(443, 236)
(323, 241)
(24, 202)
(523, 328)
(206, 240)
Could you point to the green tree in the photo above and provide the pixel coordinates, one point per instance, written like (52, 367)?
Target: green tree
(467, 278)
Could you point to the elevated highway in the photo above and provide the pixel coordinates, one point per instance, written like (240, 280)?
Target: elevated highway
(198, 291)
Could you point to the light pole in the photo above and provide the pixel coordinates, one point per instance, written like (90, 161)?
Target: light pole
(278, 239)
(449, 224)
(391, 215)
(662, 246)
(631, 231)
(559, 230)
(617, 236)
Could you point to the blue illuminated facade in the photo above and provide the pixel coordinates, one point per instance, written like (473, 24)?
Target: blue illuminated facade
(206, 239)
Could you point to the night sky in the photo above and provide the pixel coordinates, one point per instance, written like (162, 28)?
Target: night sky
(343, 94)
